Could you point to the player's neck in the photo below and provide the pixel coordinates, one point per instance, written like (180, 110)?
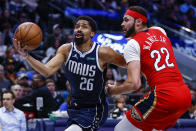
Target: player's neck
(85, 46)
(140, 29)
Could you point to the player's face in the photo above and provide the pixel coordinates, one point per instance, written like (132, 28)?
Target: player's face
(82, 32)
(128, 26)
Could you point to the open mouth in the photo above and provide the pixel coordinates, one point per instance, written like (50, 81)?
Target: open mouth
(123, 30)
(79, 35)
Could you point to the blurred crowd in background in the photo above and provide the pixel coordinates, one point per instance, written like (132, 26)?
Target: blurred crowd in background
(28, 86)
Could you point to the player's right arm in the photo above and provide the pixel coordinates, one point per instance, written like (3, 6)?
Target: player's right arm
(45, 69)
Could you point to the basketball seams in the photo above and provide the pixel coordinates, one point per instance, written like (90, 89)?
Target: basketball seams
(33, 37)
(21, 38)
(28, 31)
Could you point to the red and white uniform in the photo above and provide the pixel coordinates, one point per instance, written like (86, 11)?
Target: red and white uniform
(169, 97)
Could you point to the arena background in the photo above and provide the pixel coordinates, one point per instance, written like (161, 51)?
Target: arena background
(177, 17)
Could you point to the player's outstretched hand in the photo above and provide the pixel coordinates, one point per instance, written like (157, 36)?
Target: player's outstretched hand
(110, 89)
(18, 47)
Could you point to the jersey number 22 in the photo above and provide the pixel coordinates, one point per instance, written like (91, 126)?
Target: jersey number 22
(163, 50)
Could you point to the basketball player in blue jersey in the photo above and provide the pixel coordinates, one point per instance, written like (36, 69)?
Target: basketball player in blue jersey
(84, 62)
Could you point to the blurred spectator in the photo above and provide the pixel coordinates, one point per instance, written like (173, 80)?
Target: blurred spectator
(60, 79)
(186, 6)
(26, 89)
(4, 82)
(191, 113)
(50, 52)
(55, 39)
(70, 38)
(8, 18)
(120, 107)
(185, 21)
(3, 47)
(7, 34)
(10, 70)
(192, 18)
(15, 7)
(32, 4)
(30, 7)
(21, 19)
(11, 119)
(174, 15)
(43, 11)
(52, 87)
(10, 52)
(192, 91)
(109, 74)
(22, 78)
(66, 95)
(17, 90)
(67, 98)
(40, 97)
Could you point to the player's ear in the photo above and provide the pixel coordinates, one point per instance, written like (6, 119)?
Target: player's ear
(92, 34)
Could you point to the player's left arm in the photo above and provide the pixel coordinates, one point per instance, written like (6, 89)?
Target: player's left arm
(133, 81)
(131, 84)
(108, 55)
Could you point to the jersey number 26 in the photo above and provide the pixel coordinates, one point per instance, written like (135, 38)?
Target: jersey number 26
(86, 84)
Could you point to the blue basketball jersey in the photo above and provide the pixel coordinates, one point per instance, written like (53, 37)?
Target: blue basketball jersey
(85, 76)
(88, 106)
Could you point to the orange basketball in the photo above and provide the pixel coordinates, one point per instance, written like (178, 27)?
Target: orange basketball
(29, 34)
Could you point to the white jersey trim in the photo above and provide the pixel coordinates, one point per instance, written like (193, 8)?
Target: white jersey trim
(83, 54)
(159, 28)
(97, 58)
(132, 51)
(70, 52)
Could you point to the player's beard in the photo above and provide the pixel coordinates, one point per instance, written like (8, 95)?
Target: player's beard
(131, 31)
(79, 41)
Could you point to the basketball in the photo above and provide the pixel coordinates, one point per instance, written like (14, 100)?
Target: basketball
(29, 34)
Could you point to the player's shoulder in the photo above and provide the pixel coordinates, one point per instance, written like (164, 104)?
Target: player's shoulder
(65, 47)
(132, 43)
(159, 28)
(104, 49)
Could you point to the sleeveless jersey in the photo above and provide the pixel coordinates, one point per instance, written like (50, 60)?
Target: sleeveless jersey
(85, 76)
(157, 58)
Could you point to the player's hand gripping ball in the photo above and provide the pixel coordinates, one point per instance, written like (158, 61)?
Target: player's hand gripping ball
(29, 34)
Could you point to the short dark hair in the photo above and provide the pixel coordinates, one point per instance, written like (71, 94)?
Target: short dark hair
(90, 20)
(5, 92)
(140, 10)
